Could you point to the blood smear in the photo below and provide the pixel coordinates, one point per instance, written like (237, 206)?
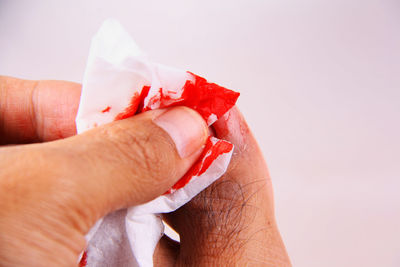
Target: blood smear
(131, 109)
(204, 97)
(107, 109)
(210, 153)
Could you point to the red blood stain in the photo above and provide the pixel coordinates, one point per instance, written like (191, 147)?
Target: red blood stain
(163, 99)
(83, 261)
(208, 98)
(218, 149)
(143, 95)
(131, 109)
(210, 153)
(107, 109)
(204, 97)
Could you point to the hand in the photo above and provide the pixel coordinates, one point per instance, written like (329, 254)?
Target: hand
(52, 193)
(232, 222)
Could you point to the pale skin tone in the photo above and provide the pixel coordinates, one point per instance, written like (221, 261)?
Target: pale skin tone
(55, 186)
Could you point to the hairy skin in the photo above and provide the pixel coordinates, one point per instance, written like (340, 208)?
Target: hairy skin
(44, 186)
(232, 222)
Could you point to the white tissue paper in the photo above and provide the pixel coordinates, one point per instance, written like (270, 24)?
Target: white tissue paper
(118, 83)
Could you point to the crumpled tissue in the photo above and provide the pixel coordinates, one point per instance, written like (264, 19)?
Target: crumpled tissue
(119, 82)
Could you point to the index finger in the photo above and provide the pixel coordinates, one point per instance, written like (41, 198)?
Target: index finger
(37, 111)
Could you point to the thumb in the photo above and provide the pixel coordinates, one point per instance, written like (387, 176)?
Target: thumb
(129, 162)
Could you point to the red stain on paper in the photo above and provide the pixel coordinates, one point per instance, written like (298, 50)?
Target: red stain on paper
(107, 109)
(210, 153)
(130, 110)
(163, 99)
(204, 97)
(143, 95)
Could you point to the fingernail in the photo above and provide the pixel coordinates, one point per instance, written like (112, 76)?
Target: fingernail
(186, 128)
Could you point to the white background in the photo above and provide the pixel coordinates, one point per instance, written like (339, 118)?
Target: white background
(320, 84)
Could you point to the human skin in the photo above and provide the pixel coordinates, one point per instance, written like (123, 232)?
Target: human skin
(58, 184)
